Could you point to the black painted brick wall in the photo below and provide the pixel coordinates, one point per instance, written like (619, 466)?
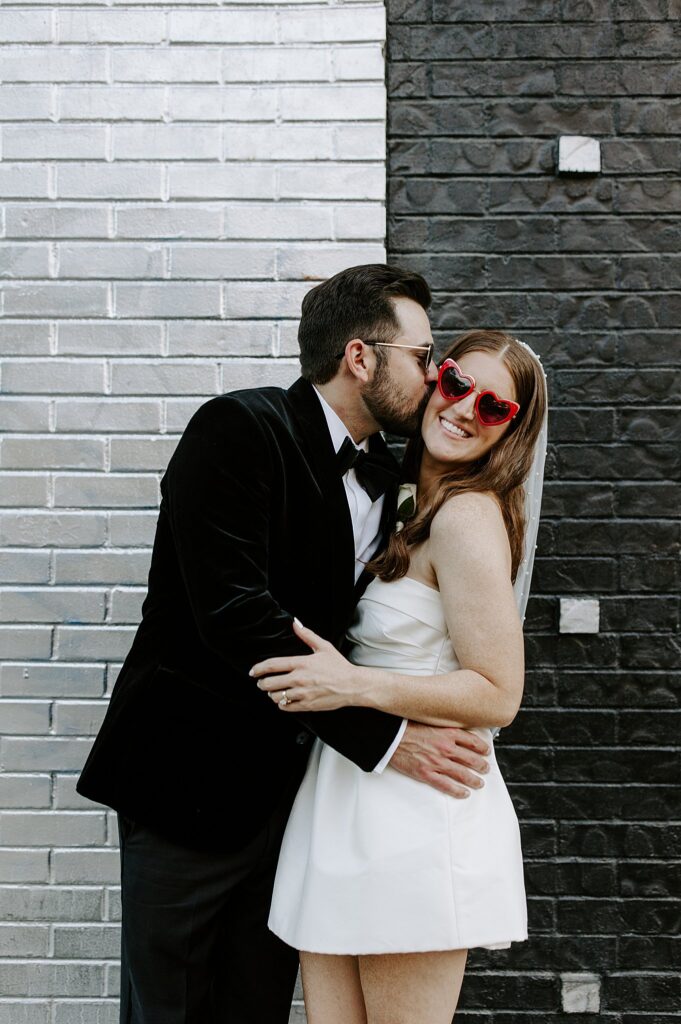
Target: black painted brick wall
(588, 271)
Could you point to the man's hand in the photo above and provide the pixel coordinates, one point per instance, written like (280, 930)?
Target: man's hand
(446, 758)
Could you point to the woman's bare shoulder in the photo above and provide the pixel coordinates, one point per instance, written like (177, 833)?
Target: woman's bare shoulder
(478, 509)
(469, 530)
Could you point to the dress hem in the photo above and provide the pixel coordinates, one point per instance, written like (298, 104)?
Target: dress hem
(486, 944)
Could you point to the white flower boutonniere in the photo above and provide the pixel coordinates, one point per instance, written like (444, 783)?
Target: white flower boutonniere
(406, 504)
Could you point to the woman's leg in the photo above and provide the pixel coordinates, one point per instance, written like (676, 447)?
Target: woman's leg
(332, 990)
(410, 988)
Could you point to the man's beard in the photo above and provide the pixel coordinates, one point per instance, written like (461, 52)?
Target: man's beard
(393, 410)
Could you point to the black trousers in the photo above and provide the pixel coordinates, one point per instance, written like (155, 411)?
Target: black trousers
(195, 946)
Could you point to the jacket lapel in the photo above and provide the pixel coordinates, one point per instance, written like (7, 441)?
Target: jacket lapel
(318, 448)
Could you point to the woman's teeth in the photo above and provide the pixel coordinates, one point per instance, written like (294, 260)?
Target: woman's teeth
(451, 428)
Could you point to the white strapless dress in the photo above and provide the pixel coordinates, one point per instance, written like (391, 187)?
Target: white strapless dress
(384, 864)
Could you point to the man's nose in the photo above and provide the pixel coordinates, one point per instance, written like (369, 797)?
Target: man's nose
(431, 372)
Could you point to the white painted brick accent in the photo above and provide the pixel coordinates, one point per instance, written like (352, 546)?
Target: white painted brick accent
(579, 615)
(174, 178)
(581, 993)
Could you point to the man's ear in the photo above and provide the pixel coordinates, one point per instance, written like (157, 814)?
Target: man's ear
(356, 361)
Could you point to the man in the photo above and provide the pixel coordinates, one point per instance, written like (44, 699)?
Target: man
(267, 508)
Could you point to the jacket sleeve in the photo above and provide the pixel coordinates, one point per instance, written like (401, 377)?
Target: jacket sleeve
(218, 493)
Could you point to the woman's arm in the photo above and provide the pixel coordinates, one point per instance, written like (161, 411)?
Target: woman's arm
(469, 552)
(470, 555)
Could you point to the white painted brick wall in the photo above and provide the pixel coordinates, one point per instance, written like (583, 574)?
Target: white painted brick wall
(173, 175)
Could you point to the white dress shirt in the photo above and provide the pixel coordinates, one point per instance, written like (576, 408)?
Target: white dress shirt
(366, 525)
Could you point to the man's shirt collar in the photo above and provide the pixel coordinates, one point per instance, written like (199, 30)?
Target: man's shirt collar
(337, 428)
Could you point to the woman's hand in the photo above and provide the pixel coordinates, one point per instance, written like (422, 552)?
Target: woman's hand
(321, 681)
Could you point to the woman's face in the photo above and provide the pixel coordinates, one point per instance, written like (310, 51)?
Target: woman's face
(451, 431)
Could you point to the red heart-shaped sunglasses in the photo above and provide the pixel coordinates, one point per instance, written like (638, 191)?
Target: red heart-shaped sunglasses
(453, 384)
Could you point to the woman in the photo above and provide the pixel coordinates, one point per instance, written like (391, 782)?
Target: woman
(384, 883)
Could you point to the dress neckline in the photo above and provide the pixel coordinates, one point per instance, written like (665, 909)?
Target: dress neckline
(409, 579)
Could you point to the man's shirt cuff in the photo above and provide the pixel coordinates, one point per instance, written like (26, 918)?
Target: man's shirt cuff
(391, 749)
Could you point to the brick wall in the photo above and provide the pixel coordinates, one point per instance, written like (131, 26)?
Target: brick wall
(587, 270)
(174, 176)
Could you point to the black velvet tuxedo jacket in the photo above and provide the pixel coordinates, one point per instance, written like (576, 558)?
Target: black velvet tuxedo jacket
(253, 528)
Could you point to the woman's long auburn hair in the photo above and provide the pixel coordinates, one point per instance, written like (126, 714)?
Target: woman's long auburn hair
(501, 470)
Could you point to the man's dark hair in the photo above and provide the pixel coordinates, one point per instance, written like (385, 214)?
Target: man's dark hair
(352, 304)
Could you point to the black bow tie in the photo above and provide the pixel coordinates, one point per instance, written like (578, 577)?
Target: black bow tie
(375, 472)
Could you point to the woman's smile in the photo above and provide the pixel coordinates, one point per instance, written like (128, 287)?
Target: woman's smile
(454, 430)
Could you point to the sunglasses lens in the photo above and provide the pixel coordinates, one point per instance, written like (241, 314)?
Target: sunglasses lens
(492, 410)
(453, 384)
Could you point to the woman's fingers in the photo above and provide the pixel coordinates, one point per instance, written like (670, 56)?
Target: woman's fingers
(276, 683)
(282, 697)
(274, 665)
(289, 700)
(308, 636)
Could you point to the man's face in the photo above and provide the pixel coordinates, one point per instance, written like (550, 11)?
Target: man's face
(399, 390)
